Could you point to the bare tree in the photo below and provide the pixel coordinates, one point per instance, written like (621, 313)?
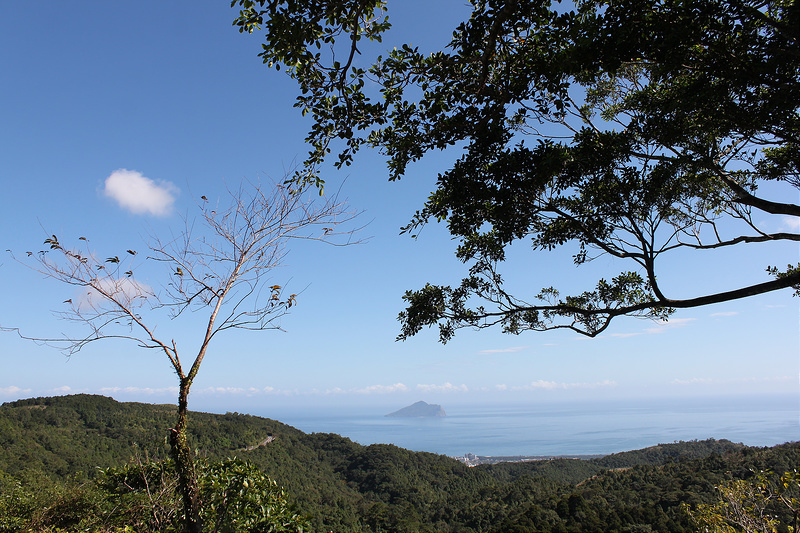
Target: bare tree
(219, 263)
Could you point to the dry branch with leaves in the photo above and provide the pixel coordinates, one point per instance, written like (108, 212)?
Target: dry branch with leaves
(220, 263)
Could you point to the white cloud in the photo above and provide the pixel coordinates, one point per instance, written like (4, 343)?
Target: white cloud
(372, 389)
(249, 391)
(548, 385)
(13, 391)
(660, 327)
(694, 381)
(125, 290)
(382, 389)
(150, 391)
(240, 391)
(139, 194)
(255, 391)
(445, 387)
(624, 335)
(726, 313)
(663, 325)
(504, 350)
(792, 223)
(554, 385)
(717, 381)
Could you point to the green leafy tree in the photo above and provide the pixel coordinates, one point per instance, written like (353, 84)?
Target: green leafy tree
(239, 497)
(635, 129)
(142, 496)
(220, 265)
(750, 505)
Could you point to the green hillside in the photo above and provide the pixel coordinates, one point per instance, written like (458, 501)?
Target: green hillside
(64, 442)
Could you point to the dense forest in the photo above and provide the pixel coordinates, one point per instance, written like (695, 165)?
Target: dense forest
(69, 462)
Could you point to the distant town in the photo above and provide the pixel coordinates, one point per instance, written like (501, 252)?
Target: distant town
(470, 459)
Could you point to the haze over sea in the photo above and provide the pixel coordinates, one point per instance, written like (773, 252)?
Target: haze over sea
(567, 428)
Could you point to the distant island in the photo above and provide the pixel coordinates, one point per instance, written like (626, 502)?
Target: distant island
(420, 410)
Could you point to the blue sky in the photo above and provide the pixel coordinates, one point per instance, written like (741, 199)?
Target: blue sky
(172, 93)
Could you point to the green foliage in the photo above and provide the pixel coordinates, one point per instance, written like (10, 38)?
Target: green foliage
(627, 128)
(297, 32)
(145, 492)
(751, 504)
(37, 505)
(340, 485)
(15, 503)
(667, 453)
(237, 496)
(143, 496)
(78, 434)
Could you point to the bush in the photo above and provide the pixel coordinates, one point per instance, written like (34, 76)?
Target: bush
(236, 497)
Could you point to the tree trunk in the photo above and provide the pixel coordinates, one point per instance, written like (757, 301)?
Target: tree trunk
(184, 465)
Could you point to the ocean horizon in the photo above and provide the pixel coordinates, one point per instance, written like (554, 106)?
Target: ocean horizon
(559, 428)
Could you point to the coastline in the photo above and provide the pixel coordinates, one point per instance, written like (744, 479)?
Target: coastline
(471, 459)
(575, 429)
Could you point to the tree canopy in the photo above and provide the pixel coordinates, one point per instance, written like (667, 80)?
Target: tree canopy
(628, 128)
(50, 449)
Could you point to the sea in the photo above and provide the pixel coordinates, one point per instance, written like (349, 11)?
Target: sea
(560, 429)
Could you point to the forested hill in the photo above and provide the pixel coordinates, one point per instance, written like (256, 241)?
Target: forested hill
(344, 486)
(65, 435)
